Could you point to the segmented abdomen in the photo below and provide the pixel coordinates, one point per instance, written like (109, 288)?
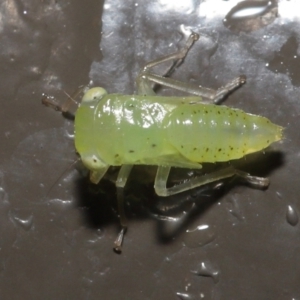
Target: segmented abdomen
(210, 133)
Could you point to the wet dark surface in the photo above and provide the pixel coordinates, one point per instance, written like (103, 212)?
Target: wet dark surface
(220, 242)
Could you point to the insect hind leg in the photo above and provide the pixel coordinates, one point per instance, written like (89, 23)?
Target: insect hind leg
(177, 56)
(146, 78)
(144, 81)
(228, 88)
(163, 172)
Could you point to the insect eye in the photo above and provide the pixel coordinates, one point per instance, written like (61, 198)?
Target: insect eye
(93, 94)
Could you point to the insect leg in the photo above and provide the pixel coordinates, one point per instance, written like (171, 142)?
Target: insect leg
(96, 176)
(120, 184)
(143, 84)
(211, 95)
(229, 87)
(145, 77)
(177, 56)
(160, 184)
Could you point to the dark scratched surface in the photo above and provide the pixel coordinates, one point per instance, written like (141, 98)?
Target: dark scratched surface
(225, 241)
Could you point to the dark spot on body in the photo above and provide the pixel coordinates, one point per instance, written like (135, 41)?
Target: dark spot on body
(182, 146)
(219, 149)
(153, 145)
(116, 155)
(131, 151)
(206, 149)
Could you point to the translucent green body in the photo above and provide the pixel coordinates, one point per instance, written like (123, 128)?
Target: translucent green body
(170, 131)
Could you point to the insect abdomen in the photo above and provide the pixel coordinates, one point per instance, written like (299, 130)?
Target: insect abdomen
(210, 133)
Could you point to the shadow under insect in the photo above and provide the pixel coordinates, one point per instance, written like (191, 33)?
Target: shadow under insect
(175, 213)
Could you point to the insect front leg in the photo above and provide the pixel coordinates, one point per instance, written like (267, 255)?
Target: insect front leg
(160, 184)
(120, 184)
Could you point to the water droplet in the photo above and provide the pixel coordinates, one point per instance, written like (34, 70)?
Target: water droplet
(61, 201)
(235, 209)
(279, 195)
(292, 216)
(166, 218)
(25, 222)
(251, 15)
(35, 70)
(185, 296)
(105, 271)
(69, 135)
(199, 236)
(208, 270)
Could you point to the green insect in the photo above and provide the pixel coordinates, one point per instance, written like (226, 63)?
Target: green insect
(182, 132)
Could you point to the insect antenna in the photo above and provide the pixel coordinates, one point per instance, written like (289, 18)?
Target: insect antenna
(65, 107)
(50, 102)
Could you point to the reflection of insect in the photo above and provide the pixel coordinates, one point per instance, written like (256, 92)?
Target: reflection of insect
(146, 129)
